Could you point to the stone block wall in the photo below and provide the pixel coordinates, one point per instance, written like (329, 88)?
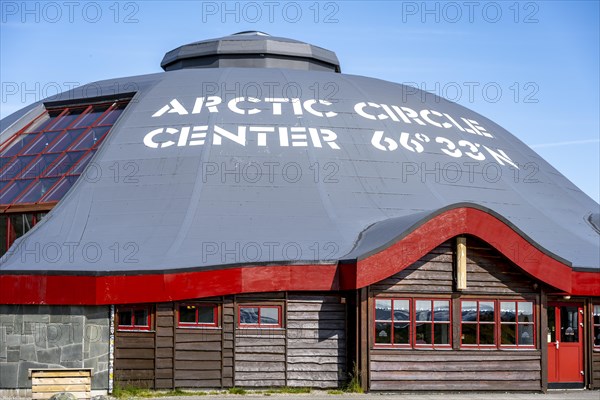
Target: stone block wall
(52, 337)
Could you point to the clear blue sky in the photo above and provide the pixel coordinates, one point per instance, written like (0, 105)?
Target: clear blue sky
(532, 67)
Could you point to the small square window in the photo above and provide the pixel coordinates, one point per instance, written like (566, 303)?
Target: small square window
(196, 315)
(133, 318)
(260, 316)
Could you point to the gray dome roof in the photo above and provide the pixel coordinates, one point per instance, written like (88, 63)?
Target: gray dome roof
(251, 49)
(201, 203)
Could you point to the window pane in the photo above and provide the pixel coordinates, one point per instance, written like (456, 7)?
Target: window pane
(248, 315)
(90, 138)
(13, 190)
(111, 116)
(65, 120)
(40, 143)
(21, 224)
(64, 163)
(486, 334)
(65, 140)
(206, 315)
(441, 333)
(525, 311)
(82, 163)
(469, 333)
(125, 318)
(89, 118)
(597, 335)
(441, 310)
(269, 315)
(508, 334)
(401, 333)
(423, 310)
(19, 144)
(597, 315)
(140, 317)
(383, 310)
(58, 191)
(35, 169)
(37, 190)
(14, 167)
(423, 334)
(486, 311)
(187, 314)
(469, 310)
(507, 311)
(383, 332)
(401, 310)
(525, 334)
(569, 324)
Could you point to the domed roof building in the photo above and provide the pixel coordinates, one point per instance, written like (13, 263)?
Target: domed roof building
(254, 217)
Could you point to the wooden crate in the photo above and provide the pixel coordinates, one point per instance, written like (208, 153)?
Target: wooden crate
(46, 382)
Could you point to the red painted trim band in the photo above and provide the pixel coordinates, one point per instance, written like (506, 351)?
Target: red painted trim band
(98, 290)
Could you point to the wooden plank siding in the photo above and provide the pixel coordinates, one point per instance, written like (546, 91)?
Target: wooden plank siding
(198, 360)
(489, 275)
(455, 370)
(316, 341)
(595, 381)
(134, 359)
(165, 346)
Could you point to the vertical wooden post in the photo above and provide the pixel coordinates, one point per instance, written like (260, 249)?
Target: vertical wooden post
(461, 263)
(543, 335)
(363, 366)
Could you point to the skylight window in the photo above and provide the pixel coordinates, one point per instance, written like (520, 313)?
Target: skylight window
(40, 163)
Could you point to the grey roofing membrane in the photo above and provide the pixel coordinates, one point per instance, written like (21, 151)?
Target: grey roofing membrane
(286, 193)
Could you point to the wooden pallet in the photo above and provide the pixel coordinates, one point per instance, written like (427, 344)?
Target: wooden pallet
(47, 382)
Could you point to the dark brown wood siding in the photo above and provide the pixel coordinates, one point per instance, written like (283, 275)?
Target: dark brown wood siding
(198, 361)
(316, 341)
(260, 353)
(455, 370)
(596, 369)
(164, 346)
(489, 275)
(134, 359)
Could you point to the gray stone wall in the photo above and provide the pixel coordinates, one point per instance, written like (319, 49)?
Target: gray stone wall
(52, 337)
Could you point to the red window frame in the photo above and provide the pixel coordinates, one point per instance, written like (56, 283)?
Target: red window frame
(413, 324)
(259, 324)
(196, 324)
(393, 322)
(596, 326)
(516, 323)
(132, 326)
(478, 323)
(433, 323)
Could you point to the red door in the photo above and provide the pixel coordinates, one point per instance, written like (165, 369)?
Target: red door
(565, 344)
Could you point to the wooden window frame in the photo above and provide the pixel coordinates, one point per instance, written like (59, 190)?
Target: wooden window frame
(478, 323)
(196, 324)
(413, 325)
(595, 347)
(260, 325)
(408, 345)
(133, 327)
(534, 325)
(447, 346)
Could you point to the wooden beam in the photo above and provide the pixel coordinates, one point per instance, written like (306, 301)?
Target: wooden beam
(461, 263)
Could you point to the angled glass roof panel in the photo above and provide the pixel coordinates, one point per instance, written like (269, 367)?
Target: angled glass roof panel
(56, 143)
(36, 191)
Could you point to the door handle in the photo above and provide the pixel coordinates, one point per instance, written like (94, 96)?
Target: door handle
(557, 345)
